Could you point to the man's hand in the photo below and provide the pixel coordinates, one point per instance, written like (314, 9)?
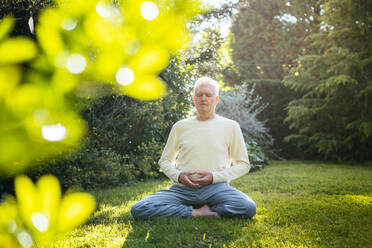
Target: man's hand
(195, 179)
(185, 179)
(204, 178)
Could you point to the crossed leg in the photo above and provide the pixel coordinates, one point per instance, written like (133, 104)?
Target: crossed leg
(165, 203)
(228, 201)
(214, 200)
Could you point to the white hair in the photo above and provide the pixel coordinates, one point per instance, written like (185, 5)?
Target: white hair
(207, 81)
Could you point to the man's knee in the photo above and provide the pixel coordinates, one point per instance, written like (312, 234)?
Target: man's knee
(138, 210)
(250, 208)
(134, 210)
(246, 207)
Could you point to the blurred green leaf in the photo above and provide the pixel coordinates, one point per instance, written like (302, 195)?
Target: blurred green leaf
(146, 88)
(9, 78)
(16, 50)
(6, 25)
(75, 210)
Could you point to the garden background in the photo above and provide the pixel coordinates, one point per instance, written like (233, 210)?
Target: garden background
(90, 89)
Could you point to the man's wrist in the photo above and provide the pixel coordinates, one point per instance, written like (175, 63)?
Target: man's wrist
(215, 178)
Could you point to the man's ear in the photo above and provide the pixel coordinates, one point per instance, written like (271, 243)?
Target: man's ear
(194, 99)
(217, 99)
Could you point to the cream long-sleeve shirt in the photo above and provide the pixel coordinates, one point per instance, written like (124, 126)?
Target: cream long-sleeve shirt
(210, 145)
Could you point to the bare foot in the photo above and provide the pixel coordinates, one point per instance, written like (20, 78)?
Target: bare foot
(204, 211)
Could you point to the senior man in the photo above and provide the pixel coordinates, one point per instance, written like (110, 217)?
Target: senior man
(197, 158)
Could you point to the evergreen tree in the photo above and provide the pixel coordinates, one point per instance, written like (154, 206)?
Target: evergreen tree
(334, 116)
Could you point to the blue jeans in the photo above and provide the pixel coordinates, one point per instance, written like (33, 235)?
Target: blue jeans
(178, 201)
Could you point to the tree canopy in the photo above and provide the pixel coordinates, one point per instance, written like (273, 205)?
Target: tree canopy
(334, 115)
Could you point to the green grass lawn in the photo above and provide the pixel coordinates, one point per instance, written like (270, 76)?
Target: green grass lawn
(300, 204)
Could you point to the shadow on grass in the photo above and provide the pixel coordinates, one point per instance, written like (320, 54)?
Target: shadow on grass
(188, 232)
(113, 212)
(312, 221)
(299, 205)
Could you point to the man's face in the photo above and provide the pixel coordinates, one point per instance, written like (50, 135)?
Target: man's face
(205, 100)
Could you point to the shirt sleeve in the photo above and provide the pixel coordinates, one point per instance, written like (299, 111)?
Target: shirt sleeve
(239, 158)
(168, 158)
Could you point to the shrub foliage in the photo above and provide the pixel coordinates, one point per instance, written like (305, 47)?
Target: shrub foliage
(243, 106)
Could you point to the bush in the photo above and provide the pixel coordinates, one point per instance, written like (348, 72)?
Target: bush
(88, 168)
(257, 157)
(277, 96)
(242, 106)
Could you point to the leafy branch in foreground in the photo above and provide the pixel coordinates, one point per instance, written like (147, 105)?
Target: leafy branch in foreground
(81, 45)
